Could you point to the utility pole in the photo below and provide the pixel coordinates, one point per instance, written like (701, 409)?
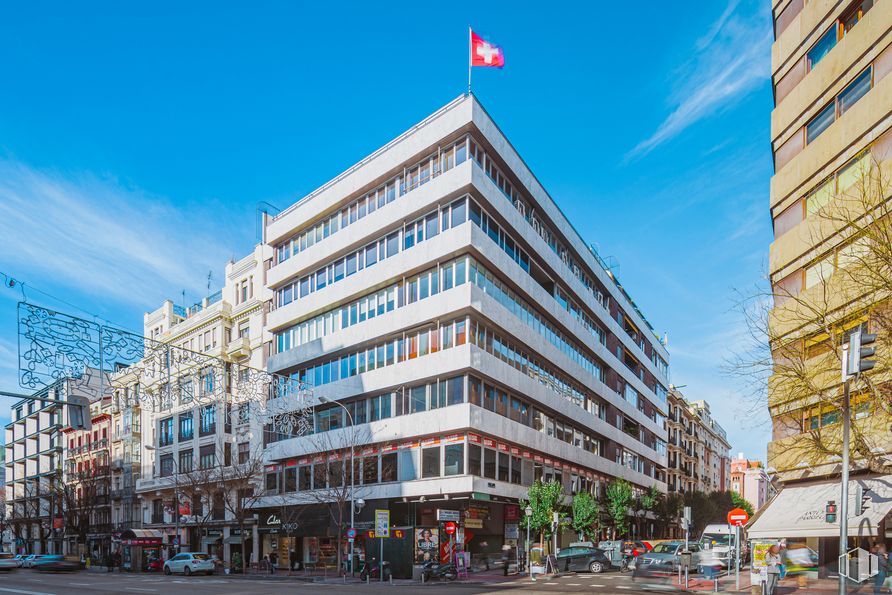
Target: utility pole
(854, 361)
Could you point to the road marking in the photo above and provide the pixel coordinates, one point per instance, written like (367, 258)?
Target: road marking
(141, 589)
(622, 587)
(596, 585)
(574, 584)
(23, 592)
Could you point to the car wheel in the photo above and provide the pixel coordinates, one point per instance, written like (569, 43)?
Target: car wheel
(596, 567)
(167, 570)
(187, 571)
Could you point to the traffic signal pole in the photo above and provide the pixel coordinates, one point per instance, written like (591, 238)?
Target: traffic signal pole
(844, 497)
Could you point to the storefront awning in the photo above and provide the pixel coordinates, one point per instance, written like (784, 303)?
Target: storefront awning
(233, 540)
(141, 537)
(799, 510)
(209, 540)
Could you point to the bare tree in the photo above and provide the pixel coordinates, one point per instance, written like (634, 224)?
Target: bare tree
(79, 498)
(796, 330)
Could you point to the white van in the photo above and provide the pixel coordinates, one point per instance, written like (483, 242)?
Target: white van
(719, 538)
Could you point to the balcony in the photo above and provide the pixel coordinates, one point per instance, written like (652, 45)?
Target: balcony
(240, 347)
(157, 518)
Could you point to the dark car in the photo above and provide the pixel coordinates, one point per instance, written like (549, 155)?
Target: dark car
(582, 559)
(57, 564)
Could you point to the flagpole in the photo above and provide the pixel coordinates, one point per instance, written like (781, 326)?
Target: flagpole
(470, 49)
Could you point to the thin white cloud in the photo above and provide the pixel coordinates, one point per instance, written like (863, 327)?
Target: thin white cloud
(732, 59)
(97, 236)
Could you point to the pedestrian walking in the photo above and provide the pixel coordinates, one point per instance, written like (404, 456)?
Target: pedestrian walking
(273, 558)
(772, 563)
(882, 568)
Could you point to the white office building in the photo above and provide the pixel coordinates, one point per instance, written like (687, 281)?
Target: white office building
(437, 291)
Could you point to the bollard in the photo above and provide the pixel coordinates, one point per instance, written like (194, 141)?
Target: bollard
(391, 580)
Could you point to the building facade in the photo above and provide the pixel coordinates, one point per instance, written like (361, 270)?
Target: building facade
(699, 452)
(750, 480)
(830, 138)
(437, 292)
(195, 426)
(34, 453)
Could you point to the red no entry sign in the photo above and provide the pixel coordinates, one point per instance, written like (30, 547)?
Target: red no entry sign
(738, 517)
(449, 528)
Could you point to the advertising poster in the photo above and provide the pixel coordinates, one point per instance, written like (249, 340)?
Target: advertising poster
(427, 542)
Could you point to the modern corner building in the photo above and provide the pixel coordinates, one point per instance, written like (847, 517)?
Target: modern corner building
(830, 126)
(438, 293)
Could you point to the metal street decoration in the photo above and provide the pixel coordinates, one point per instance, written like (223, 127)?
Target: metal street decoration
(100, 360)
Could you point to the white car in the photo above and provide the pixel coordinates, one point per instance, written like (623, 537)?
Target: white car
(189, 563)
(29, 561)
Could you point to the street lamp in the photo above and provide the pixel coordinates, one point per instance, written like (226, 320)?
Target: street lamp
(352, 471)
(529, 513)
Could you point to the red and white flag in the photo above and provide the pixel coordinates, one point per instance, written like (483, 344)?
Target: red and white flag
(484, 53)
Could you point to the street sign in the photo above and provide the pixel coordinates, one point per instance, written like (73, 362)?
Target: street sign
(738, 517)
(351, 533)
(449, 528)
(448, 515)
(382, 523)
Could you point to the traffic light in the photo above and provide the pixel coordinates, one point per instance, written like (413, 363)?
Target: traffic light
(79, 412)
(830, 511)
(860, 349)
(861, 500)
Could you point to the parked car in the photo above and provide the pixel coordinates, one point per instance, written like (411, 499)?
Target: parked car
(189, 563)
(155, 565)
(56, 563)
(582, 559)
(8, 561)
(664, 556)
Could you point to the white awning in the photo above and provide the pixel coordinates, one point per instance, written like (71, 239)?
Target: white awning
(799, 510)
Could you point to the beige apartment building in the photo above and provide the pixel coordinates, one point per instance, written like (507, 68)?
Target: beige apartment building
(699, 452)
(830, 142)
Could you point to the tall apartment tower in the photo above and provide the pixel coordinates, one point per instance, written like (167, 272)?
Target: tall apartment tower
(830, 134)
(437, 292)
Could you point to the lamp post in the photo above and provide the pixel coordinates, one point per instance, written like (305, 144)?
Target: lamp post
(529, 513)
(352, 471)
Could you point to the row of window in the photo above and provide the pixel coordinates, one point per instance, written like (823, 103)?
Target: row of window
(418, 175)
(207, 425)
(385, 247)
(848, 97)
(416, 288)
(207, 459)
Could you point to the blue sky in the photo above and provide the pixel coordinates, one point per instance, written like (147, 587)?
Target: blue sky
(136, 142)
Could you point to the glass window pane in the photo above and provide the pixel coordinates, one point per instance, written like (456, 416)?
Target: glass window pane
(823, 47)
(430, 462)
(855, 91)
(454, 459)
(820, 123)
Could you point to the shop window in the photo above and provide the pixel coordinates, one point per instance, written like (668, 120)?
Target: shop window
(304, 478)
(408, 465)
(454, 459)
(430, 462)
(370, 470)
(272, 483)
(291, 479)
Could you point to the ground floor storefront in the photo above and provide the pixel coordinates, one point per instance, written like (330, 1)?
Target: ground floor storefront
(480, 527)
(796, 520)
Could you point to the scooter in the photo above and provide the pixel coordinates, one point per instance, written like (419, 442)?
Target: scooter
(431, 569)
(371, 572)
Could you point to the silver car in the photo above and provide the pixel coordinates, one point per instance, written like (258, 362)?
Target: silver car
(189, 563)
(666, 556)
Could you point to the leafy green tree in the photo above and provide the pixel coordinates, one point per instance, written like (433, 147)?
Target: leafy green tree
(667, 512)
(619, 499)
(647, 502)
(586, 515)
(544, 498)
(740, 502)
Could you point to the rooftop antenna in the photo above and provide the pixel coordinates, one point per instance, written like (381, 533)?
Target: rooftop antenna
(210, 277)
(183, 293)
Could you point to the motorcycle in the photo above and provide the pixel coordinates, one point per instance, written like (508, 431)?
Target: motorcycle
(372, 572)
(431, 569)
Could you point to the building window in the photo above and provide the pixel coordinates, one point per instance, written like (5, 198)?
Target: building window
(186, 461)
(845, 100)
(388, 467)
(166, 465)
(454, 459)
(165, 432)
(474, 459)
(206, 456)
(430, 462)
(186, 391)
(208, 420)
(186, 426)
(244, 452)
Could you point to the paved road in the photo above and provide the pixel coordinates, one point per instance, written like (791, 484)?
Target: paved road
(28, 582)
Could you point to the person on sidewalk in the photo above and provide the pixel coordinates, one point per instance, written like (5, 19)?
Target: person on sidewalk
(772, 563)
(882, 568)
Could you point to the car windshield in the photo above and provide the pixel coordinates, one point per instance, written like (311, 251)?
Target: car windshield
(717, 538)
(200, 556)
(664, 548)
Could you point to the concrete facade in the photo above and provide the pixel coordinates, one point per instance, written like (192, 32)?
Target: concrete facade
(750, 480)
(438, 293)
(699, 452)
